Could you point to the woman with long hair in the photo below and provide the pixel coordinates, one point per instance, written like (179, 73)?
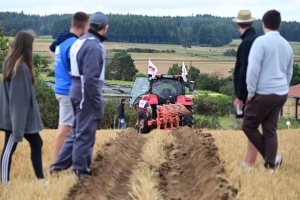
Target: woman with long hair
(19, 112)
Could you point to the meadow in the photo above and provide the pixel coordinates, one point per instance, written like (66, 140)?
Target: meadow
(143, 182)
(207, 59)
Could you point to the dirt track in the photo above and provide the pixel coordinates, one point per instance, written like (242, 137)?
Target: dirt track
(191, 169)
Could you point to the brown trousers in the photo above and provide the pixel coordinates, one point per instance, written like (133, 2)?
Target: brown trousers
(265, 110)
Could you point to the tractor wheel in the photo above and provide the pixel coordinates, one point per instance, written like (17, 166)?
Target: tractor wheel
(188, 120)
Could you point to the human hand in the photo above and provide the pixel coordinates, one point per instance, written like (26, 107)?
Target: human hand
(249, 98)
(70, 73)
(238, 102)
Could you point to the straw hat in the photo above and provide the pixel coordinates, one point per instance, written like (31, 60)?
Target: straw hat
(244, 16)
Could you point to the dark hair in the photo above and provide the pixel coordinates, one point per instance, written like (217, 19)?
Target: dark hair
(122, 100)
(246, 25)
(272, 19)
(80, 19)
(21, 51)
(95, 27)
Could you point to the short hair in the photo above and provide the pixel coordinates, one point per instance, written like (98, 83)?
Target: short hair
(272, 19)
(79, 19)
(122, 100)
(95, 27)
(246, 25)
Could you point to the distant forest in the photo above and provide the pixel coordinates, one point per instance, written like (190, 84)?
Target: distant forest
(206, 30)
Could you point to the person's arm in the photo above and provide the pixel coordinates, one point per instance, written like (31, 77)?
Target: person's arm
(91, 72)
(120, 112)
(123, 112)
(52, 50)
(20, 96)
(69, 60)
(289, 71)
(136, 103)
(148, 105)
(254, 66)
(241, 87)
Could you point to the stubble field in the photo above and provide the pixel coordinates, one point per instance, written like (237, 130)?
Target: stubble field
(207, 59)
(187, 164)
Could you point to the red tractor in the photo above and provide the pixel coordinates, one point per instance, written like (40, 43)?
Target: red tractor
(171, 107)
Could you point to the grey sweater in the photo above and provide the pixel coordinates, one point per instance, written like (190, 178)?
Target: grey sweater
(270, 65)
(19, 112)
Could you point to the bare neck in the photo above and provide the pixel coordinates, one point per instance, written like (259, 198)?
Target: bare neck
(75, 31)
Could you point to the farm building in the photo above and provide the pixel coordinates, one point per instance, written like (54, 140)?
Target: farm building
(291, 108)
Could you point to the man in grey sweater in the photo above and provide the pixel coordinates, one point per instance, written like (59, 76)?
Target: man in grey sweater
(269, 73)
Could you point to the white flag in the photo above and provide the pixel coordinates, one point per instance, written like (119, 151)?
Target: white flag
(152, 69)
(184, 73)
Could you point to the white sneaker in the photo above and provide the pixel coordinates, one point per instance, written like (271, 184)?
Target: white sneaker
(278, 161)
(244, 165)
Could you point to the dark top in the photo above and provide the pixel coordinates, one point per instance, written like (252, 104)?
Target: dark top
(121, 111)
(19, 111)
(241, 65)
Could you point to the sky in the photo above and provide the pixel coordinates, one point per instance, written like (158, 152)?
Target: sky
(289, 9)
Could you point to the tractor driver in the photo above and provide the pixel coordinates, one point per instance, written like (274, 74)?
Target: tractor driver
(141, 112)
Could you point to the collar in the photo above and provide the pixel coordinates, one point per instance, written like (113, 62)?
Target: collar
(248, 32)
(100, 37)
(272, 32)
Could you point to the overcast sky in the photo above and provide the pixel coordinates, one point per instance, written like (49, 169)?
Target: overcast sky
(225, 8)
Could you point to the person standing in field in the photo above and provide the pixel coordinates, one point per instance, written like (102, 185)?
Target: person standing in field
(61, 46)
(19, 111)
(121, 114)
(269, 74)
(143, 105)
(244, 23)
(88, 70)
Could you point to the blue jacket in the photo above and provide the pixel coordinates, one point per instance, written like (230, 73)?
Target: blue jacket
(62, 46)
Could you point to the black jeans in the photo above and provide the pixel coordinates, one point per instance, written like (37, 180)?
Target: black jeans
(9, 148)
(264, 110)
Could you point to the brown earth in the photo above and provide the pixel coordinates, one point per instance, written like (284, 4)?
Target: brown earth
(111, 169)
(192, 169)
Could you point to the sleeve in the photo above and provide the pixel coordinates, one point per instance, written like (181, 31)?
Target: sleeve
(52, 46)
(289, 71)
(136, 103)
(254, 66)
(19, 95)
(69, 59)
(91, 71)
(119, 112)
(241, 87)
(148, 105)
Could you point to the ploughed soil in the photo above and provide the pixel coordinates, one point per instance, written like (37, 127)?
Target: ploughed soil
(192, 169)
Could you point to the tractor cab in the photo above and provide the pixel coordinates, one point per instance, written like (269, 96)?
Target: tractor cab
(139, 88)
(167, 88)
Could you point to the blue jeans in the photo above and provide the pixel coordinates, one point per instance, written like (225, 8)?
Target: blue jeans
(121, 124)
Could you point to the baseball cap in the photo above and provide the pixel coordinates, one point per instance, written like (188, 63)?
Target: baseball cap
(99, 19)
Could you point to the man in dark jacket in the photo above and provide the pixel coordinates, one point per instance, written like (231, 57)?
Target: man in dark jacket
(121, 114)
(88, 70)
(244, 23)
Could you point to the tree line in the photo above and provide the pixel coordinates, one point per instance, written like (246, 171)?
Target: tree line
(206, 30)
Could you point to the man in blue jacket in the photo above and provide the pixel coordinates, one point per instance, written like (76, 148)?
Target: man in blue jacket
(60, 51)
(88, 70)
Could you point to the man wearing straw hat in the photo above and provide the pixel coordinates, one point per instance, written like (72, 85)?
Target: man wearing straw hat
(244, 23)
(269, 74)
